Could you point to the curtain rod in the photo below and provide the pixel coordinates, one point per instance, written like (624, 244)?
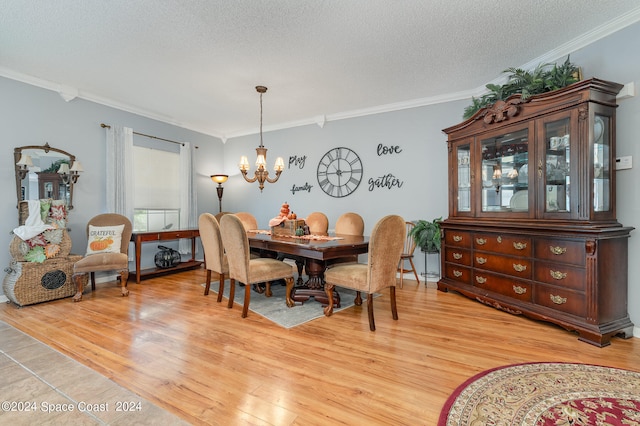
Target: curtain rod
(148, 136)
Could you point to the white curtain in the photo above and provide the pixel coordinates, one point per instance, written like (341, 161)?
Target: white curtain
(188, 195)
(120, 177)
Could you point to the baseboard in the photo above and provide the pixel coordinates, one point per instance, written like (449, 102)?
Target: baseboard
(3, 299)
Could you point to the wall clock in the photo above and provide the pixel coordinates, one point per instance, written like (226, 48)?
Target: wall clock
(339, 172)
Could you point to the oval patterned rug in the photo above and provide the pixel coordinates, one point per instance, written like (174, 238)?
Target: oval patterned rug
(546, 394)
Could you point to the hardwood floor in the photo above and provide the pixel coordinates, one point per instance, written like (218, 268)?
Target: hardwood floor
(201, 361)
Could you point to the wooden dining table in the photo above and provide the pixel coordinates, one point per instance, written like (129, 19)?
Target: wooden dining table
(316, 252)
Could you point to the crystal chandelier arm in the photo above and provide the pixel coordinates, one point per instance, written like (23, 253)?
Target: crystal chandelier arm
(244, 175)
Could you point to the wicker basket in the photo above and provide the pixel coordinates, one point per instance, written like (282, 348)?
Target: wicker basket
(19, 248)
(27, 283)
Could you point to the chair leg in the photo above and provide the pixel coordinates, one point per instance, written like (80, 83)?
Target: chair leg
(232, 292)
(267, 291)
(288, 299)
(328, 310)
(220, 287)
(394, 308)
(78, 280)
(401, 269)
(372, 323)
(247, 299)
(124, 278)
(413, 268)
(358, 300)
(208, 283)
(93, 281)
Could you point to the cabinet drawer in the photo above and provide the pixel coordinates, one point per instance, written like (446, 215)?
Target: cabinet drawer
(514, 266)
(457, 272)
(456, 238)
(458, 255)
(567, 301)
(505, 244)
(565, 251)
(517, 289)
(561, 275)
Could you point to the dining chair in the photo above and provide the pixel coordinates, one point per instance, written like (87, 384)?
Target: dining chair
(407, 254)
(107, 250)
(248, 220)
(246, 270)
(219, 215)
(350, 224)
(318, 223)
(216, 260)
(385, 247)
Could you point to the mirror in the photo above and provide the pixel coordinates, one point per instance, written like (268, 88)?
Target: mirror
(45, 172)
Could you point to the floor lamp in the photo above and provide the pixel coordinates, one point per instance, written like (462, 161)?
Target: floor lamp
(220, 179)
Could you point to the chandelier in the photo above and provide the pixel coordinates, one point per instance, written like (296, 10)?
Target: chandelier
(261, 174)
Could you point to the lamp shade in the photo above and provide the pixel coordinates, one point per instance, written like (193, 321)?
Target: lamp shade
(244, 163)
(219, 178)
(25, 160)
(64, 169)
(76, 167)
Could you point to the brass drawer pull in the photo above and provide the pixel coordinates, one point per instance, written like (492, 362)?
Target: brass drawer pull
(457, 273)
(558, 250)
(558, 275)
(481, 241)
(519, 268)
(519, 290)
(457, 256)
(481, 280)
(481, 260)
(558, 300)
(457, 238)
(519, 246)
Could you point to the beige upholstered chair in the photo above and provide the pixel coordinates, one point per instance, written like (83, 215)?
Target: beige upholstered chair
(350, 224)
(318, 223)
(385, 248)
(109, 261)
(407, 254)
(248, 220)
(251, 271)
(219, 215)
(216, 260)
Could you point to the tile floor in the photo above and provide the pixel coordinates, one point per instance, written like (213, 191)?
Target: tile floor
(39, 385)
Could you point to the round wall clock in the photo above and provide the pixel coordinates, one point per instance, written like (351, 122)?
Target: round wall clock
(339, 172)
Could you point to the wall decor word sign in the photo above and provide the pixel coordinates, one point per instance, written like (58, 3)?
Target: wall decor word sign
(297, 161)
(305, 187)
(388, 181)
(388, 150)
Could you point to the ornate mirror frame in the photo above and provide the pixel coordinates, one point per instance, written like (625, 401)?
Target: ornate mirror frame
(17, 154)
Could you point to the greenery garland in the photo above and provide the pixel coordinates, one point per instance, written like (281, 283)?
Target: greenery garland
(544, 78)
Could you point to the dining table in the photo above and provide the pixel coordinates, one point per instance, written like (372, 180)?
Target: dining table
(316, 251)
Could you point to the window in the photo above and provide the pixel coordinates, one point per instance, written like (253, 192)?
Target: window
(156, 195)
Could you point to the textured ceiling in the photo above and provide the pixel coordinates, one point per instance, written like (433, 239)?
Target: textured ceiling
(195, 63)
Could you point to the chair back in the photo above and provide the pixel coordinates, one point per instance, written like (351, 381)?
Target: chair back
(211, 242)
(385, 247)
(248, 220)
(236, 244)
(114, 219)
(219, 215)
(350, 224)
(409, 242)
(318, 223)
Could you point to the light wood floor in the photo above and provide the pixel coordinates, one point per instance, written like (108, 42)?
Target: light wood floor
(201, 361)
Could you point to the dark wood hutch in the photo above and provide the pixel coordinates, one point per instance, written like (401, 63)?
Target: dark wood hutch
(532, 226)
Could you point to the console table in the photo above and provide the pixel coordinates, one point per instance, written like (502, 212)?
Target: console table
(142, 237)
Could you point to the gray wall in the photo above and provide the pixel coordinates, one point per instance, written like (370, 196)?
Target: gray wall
(30, 115)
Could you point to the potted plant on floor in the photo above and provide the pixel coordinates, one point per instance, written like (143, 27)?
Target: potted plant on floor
(427, 234)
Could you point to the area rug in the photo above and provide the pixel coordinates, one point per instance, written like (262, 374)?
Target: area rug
(275, 309)
(540, 394)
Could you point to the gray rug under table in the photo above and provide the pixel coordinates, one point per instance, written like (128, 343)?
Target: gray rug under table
(275, 309)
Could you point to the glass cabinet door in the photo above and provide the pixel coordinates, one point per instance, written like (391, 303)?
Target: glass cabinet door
(601, 164)
(505, 172)
(557, 166)
(463, 154)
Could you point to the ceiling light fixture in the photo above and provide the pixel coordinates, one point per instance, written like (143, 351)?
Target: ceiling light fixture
(261, 174)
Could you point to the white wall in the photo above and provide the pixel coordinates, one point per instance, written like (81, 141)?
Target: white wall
(33, 116)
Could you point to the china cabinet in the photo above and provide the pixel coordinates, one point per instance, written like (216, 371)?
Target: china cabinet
(532, 226)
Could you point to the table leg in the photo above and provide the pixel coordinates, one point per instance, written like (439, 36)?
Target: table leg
(314, 287)
(138, 245)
